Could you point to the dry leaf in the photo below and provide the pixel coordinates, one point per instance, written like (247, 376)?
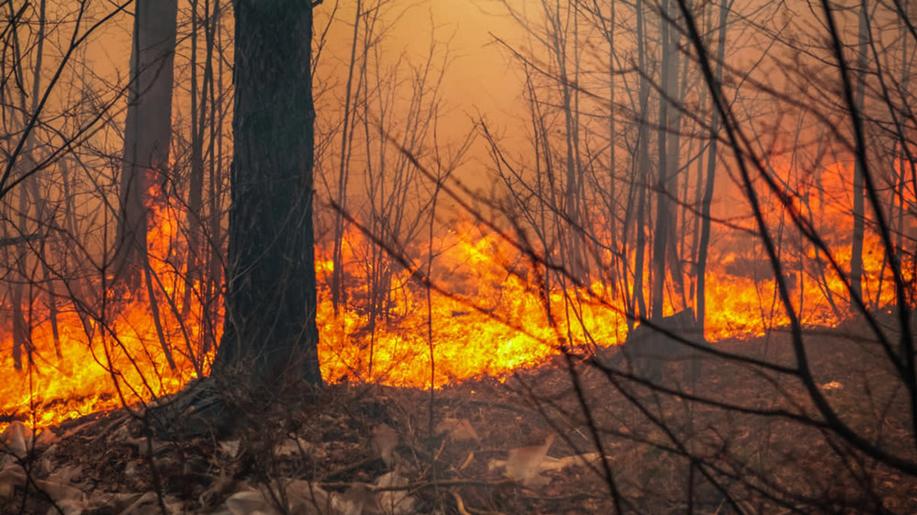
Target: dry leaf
(394, 502)
(16, 439)
(547, 464)
(249, 502)
(557, 464)
(68, 474)
(832, 385)
(117, 502)
(355, 501)
(60, 492)
(11, 477)
(493, 465)
(45, 438)
(306, 498)
(468, 460)
(145, 503)
(458, 430)
(291, 447)
(223, 483)
(384, 441)
(71, 507)
(230, 448)
(459, 504)
(302, 498)
(523, 463)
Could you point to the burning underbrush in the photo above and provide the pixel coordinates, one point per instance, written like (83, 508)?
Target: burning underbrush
(523, 445)
(491, 312)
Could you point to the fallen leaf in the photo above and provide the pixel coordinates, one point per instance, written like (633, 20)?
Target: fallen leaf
(230, 448)
(16, 439)
(557, 464)
(493, 465)
(523, 463)
(45, 438)
(459, 504)
(68, 474)
(60, 492)
(457, 430)
(291, 447)
(832, 385)
(384, 441)
(215, 492)
(116, 502)
(143, 504)
(394, 502)
(249, 502)
(306, 498)
(71, 507)
(11, 477)
(357, 500)
(468, 460)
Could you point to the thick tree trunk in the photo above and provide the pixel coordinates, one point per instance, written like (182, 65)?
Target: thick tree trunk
(270, 331)
(148, 128)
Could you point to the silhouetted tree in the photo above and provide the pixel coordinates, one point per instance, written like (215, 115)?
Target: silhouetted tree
(148, 129)
(269, 330)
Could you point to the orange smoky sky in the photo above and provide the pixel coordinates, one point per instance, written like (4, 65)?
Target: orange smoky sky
(481, 79)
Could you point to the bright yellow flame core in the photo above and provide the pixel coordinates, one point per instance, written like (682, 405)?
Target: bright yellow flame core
(493, 322)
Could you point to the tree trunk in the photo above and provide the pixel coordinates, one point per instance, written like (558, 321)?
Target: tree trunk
(199, 124)
(148, 128)
(269, 330)
(704, 244)
(663, 214)
(859, 193)
(22, 329)
(337, 275)
(643, 164)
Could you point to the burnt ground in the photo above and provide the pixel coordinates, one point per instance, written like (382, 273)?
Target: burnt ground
(756, 444)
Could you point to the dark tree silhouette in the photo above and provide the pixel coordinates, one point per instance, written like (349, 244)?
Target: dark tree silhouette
(148, 129)
(270, 332)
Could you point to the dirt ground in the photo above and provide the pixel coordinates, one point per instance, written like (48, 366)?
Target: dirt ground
(747, 440)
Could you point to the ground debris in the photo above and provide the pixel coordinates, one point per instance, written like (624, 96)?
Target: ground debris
(517, 447)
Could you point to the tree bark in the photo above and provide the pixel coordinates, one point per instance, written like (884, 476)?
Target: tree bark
(663, 214)
(643, 164)
(199, 125)
(859, 189)
(148, 128)
(269, 331)
(710, 183)
(337, 275)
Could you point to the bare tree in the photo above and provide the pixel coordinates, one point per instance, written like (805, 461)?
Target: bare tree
(148, 129)
(270, 332)
(703, 248)
(859, 192)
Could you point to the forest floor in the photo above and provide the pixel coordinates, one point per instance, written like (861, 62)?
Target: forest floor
(520, 446)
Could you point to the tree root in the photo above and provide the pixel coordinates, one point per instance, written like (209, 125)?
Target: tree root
(201, 409)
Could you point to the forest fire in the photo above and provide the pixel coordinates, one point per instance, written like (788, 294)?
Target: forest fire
(491, 322)
(397, 256)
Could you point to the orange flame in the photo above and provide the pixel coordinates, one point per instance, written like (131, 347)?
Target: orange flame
(494, 321)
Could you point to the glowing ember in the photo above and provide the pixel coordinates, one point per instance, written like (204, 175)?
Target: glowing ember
(494, 322)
